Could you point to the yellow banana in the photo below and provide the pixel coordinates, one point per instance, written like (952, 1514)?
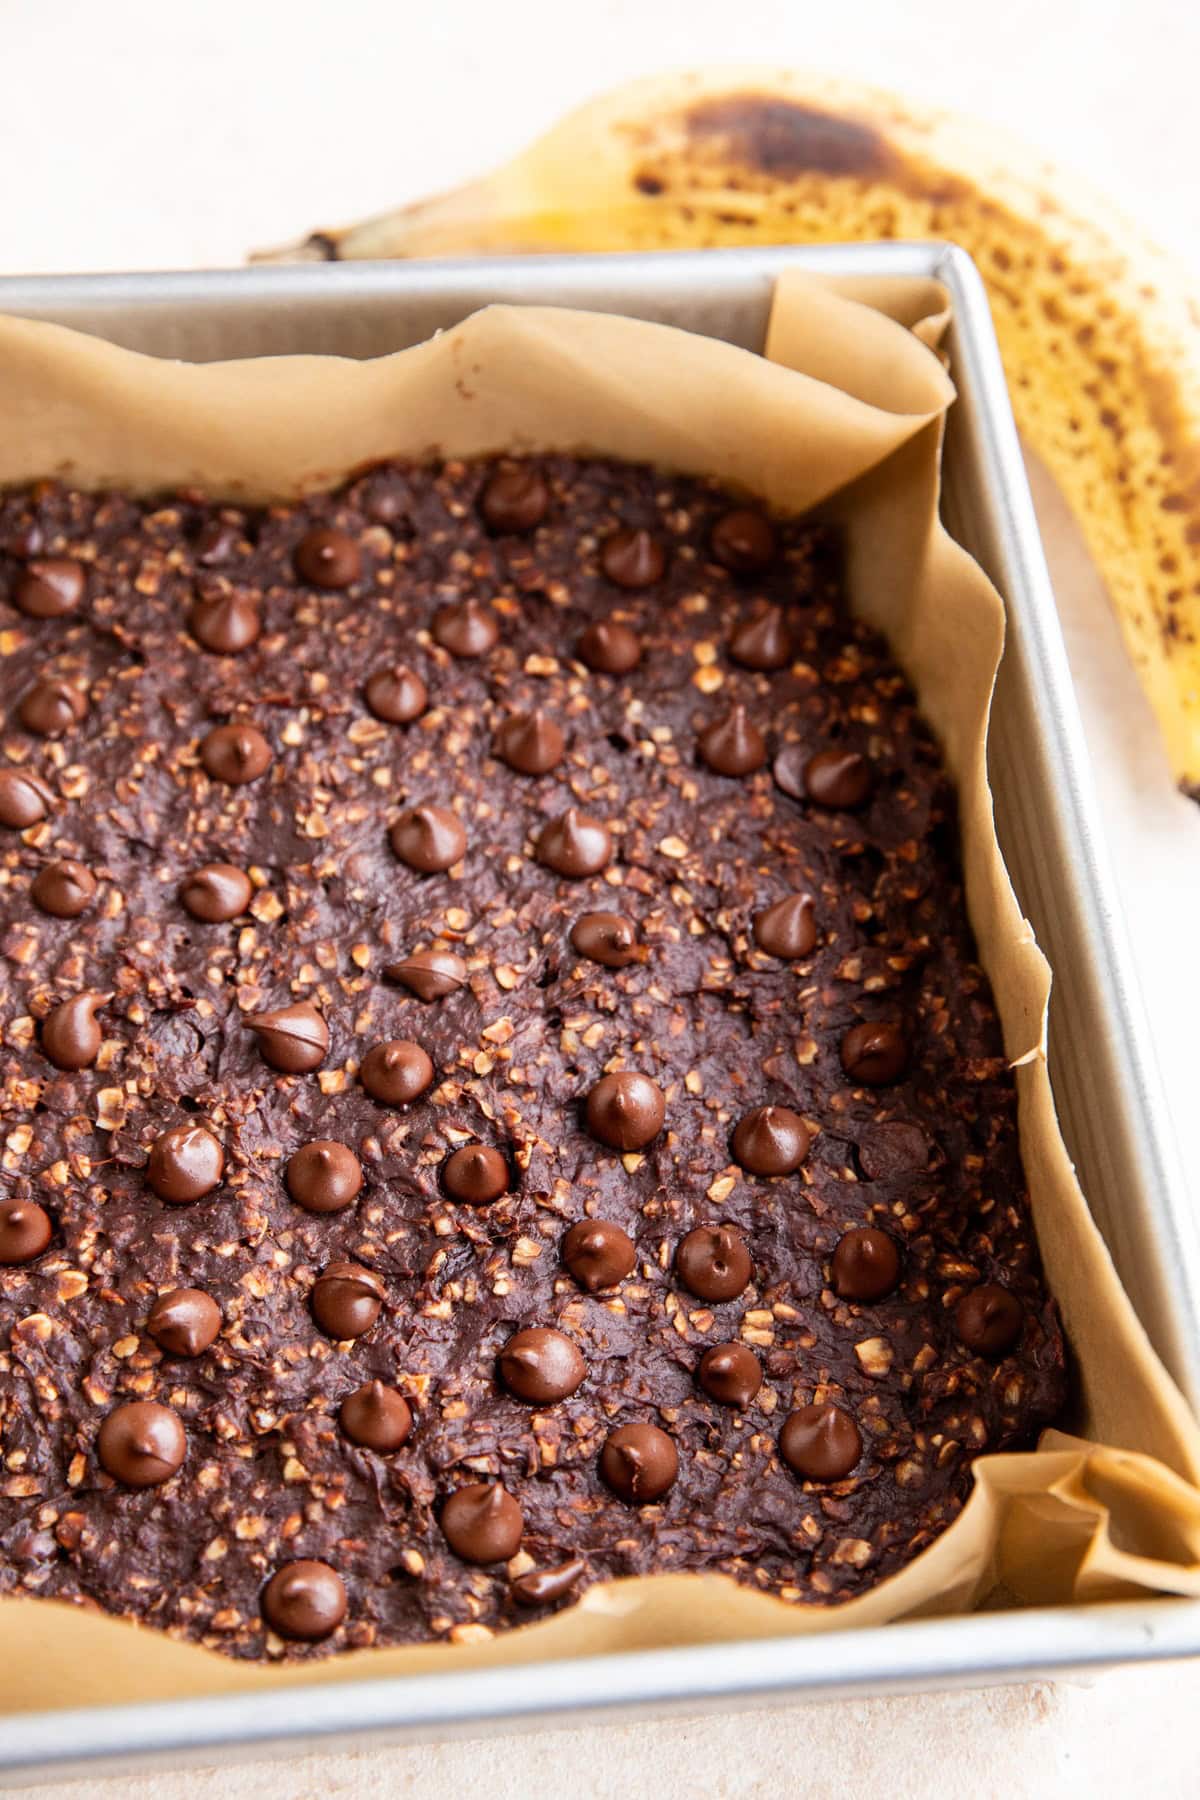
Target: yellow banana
(1098, 329)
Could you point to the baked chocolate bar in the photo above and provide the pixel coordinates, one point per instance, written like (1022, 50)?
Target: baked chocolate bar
(497, 1090)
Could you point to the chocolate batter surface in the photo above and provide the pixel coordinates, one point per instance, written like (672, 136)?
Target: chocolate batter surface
(346, 882)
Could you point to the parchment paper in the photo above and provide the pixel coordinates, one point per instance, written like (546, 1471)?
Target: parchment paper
(847, 414)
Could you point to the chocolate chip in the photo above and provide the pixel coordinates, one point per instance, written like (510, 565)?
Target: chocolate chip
(713, 1262)
(788, 770)
(820, 1443)
(633, 559)
(541, 1366)
(574, 845)
(597, 1253)
(216, 893)
(346, 1300)
(734, 745)
(515, 499)
(541, 1587)
(466, 628)
(397, 695)
(743, 541)
(51, 708)
(482, 1523)
(186, 1163)
(770, 1140)
(874, 1055)
(866, 1265)
(184, 1322)
(762, 641)
(429, 974)
(215, 543)
(226, 624)
(71, 1036)
(50, 588)
(429, 839)
(639, 1463)
(25, 1230)
(989, 1319)
(25, 799)
(476, 1174)
(63, 889)
(324, 1176)
(294, 1039)
(396, 1072)
(626, 1110)
(610, 648)
(304, 1600)
(377, 1417)
(838, 778)
(235, 754)
(530, 743)
(607, 938)
(788, 929)
(730, 1374)
(142, 1444)
(890, 1150)
(327, 558)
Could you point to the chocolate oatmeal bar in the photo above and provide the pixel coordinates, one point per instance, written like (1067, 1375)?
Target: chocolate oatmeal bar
(497, 1090)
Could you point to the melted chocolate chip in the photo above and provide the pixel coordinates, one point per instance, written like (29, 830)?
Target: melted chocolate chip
(633, 559)
(185, 1322)
(610, 648)
(327, 558)
(574, 845)
(225, 624)
(788, 929)
(874, 1055)
(713, 1262)
(186, 1163)
(71, 1035)
(598, 1254)
(429, 839)
(607, 938)
(50, 588)
(988, 1319)
(51, 708)
(324, 1176)
(771, 1140)
(142, 1444)
(25, 1231)
(346, 1300)
(541, 1366)
(891, 1150)
(396, 1072)
(639, 1463)
(743, 541)
(25, 799)
(429, 974)
(396, 695)
(482, 1523)
(530, 743)
(866, 1265)
(762, 641)
(466, 628)
(838, 778)
(515, 499)
(820, 1443)
(476, 1174)
(542, 1587)
(304, 1600)
(626, 1110)
(731, 1374)
(216, 893)
(294, 1039)
(235, 754)
(63, 889)
(377, 1417)
(734, 745)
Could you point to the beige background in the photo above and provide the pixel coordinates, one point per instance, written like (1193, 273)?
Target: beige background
(138, 134)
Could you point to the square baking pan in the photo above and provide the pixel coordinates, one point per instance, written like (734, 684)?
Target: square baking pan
(1101, 1061)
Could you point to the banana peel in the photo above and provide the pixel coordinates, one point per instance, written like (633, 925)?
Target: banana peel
(1099, 330)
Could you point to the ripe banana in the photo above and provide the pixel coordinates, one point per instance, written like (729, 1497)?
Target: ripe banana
(1098, 329)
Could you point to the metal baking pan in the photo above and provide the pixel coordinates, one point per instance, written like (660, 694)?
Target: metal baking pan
(1101, 1062)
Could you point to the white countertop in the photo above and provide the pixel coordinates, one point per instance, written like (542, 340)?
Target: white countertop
(138, 135)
